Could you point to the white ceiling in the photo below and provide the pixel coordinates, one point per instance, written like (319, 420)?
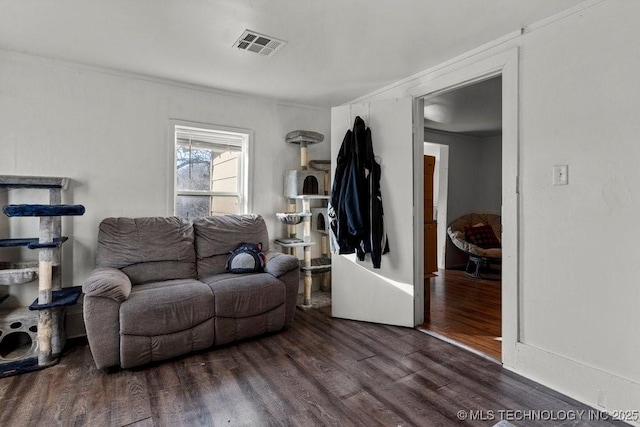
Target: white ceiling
(474, 110)
(338, 50)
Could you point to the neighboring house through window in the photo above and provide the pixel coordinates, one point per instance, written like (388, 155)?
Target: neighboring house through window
(211, 171)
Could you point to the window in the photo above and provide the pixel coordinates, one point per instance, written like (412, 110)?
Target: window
(211, 173)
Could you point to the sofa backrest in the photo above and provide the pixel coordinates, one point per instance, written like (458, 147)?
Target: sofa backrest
(148, 249)
(217, 236)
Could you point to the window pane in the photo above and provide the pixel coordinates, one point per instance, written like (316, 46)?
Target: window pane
(208, 162)
(225, 172)
(193, 206)
(193, 168)
(223, 205)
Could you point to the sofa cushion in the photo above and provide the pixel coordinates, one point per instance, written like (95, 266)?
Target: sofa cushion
(217, 236)
(160, 308)
(159, 270)
(232, 329)
(147, 249)
(245, 295)
(136, 350)
(482, 236)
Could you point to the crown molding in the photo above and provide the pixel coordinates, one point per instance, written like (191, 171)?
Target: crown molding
(37, 59)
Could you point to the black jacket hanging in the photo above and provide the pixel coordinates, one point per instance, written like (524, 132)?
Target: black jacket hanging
(355, 207)
(375, 242)
(336, 210)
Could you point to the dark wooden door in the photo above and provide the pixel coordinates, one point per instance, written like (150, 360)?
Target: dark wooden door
(430, 225)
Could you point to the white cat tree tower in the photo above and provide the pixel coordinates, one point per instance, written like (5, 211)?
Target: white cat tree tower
(305, 185)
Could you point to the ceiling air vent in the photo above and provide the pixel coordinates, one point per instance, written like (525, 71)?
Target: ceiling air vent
(251, 41)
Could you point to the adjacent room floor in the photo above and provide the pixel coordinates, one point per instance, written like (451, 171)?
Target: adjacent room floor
(467, 311)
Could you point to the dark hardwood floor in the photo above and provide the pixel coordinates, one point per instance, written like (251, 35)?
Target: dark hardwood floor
(319, 371)
(466, 310)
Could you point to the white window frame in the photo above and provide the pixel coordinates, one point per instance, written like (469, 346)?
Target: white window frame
(246, 191)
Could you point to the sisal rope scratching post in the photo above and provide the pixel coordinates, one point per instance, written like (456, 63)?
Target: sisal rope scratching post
(57, 315)
(306, 235)
(45, 267)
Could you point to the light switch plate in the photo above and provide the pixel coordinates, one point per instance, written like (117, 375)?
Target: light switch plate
(560, 175)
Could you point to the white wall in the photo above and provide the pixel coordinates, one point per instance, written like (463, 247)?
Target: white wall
(579, 100)
(474, 173)
(579, 106)
(489, 194)
(109, 132)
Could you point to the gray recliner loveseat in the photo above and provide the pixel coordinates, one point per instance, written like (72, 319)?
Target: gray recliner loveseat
(160, 288)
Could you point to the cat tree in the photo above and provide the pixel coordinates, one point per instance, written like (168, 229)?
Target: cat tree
(305, 185)
(33, 338)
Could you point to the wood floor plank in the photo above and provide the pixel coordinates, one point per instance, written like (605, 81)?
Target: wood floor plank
(132, 398)
(223, 405)
(97, 398)
(147, 422)
(373, 412)
(466, 310)
(418, 404)
(384, 339)
(258, 390)
(318, 371)
(174, 406)
(334, 379)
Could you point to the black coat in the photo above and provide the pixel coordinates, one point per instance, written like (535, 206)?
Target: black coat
(355, 207)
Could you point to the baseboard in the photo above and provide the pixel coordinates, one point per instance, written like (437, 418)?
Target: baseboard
(599, 389)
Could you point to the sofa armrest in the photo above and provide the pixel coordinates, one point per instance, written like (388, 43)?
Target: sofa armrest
(101, 320)
(278, 263)
(287, 269)
(107, 282)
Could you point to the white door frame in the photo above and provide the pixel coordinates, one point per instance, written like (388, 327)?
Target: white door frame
(506, 65)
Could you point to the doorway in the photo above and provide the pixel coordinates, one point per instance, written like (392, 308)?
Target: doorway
(464, 123)
(436, 182)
